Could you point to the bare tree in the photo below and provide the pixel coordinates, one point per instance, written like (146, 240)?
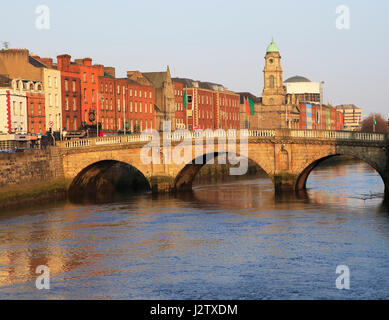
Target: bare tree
(380, 126)
(5, 44)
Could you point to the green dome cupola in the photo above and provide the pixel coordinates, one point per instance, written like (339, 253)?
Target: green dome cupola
(272, 47)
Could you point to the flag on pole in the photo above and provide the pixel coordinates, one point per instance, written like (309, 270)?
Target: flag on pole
(185, 99)
(249, 106)
(374, 122)
(246, 103)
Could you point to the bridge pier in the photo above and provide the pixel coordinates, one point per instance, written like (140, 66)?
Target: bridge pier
(284, 181)
(161, 184)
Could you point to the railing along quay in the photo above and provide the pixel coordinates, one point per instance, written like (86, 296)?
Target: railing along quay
(263, 133)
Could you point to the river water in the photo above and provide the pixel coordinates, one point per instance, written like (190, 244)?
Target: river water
(229, 240)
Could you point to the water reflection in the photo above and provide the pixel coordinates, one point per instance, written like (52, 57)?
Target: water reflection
(237, 239)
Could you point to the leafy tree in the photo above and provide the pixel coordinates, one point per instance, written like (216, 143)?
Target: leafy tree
(380, 126)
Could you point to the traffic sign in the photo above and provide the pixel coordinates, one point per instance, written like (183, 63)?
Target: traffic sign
(51, 123)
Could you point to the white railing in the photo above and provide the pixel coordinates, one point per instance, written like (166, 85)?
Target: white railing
(265, 133)
(337, 135)
(262, 133)
(77, 143)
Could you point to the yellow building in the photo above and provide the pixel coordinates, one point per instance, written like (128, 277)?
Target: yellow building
(52, 86)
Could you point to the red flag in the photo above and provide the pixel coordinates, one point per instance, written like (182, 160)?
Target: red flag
(246, 102)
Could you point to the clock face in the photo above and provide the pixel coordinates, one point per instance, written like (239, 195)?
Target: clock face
(271, 60)
(92, 115)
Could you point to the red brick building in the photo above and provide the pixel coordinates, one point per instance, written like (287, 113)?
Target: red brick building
(71, 95)
(180, 111)
(88, 75)
(229, 110)
(125, 102)
(107, 103)
(210, 106)
(36, 116)
(140, 108)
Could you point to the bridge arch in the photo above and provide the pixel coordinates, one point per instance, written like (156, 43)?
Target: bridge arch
(185, 177)
(97, 181)
(374, 162)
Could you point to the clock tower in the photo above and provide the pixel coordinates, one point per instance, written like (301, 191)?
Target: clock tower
(273, 91)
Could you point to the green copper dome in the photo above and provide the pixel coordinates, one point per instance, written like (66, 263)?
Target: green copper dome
(272, 47)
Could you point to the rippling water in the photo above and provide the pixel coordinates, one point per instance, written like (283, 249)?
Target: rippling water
(230, 240)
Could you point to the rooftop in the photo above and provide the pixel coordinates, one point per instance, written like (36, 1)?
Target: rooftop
(272, 47)
(297, 79)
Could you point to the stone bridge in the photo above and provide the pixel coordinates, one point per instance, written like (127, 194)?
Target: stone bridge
(286, 155)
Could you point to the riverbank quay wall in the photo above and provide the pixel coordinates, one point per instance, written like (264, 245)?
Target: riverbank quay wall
(31, 176)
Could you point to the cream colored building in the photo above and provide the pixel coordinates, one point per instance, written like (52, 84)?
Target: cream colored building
(304, 89)
(53, 107)
(352, 116)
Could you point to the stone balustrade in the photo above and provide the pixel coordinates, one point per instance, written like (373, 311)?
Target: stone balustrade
(263, 133)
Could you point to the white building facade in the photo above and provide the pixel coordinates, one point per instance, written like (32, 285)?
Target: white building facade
(304, 89)
(13, 109)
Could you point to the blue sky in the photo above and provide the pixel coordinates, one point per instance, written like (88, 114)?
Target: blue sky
(219, 41)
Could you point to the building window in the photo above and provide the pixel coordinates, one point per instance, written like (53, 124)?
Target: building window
(135, 93)
(66, 85)
(85, 101)
(66, 103)
(150, 94)
(271, 82)
(74, 86)
(49, 81)
(93, 78)
(56, 82)
(74, 104)
(118, 104)
(140, 106)
(32, 109)
(140, 93)
(130, 106)
(136, 106)
(84, 77)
